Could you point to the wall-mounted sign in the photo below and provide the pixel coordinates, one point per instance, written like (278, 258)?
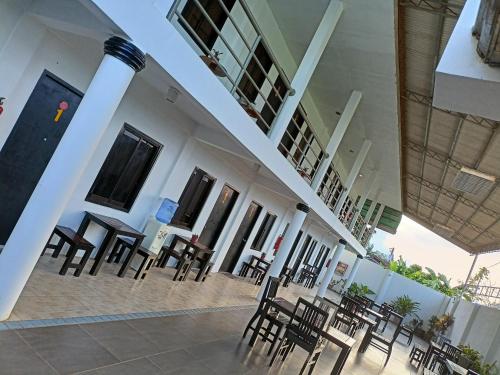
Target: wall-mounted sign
(63, 105)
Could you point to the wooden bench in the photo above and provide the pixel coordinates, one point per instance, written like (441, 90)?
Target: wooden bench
(76, 242)
(148, 257)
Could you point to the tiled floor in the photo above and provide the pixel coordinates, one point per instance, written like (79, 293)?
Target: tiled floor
(48, 295)
(205, 343)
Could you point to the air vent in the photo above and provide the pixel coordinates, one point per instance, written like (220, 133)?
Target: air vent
(443, 230)
(472, 181)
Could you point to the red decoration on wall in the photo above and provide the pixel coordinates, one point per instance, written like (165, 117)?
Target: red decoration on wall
(63, 105)
(1, 105)
(277, 244)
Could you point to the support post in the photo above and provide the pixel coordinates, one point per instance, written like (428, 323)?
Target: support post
(306, 69)
(330, 271)
(459, 298)
(353, 272)
(336, 138)
(370, 183)
(280, 258)
(353, 174)
(120, 63)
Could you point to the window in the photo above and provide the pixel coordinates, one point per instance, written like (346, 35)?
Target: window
(246, 86)
(193, 198)
(195, 18)
(125, 170)
(263, 232)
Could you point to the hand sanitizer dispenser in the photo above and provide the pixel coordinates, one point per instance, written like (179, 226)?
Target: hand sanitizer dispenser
(156, 229)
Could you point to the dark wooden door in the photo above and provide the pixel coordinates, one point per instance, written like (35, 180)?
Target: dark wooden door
(292, 250)
(218, 217)
(298, 262)
(31, 144)
(241, 238)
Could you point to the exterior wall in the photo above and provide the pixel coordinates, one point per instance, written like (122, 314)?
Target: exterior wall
(479, 327)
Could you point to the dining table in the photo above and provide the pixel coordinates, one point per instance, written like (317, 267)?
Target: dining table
(114, 228)
(331, 334)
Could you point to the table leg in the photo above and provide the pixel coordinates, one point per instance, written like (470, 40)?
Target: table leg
(130, 256)
(83, 225)
(101, 253)
(366, 340)
(203, 269)
(341, 360)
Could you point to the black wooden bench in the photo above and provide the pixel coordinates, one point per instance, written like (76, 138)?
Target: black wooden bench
(76, 242)
(123, 244)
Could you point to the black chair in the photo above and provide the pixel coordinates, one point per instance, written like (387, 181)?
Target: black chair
(286, 277)
(382, 343)
(272, 319)
(385, 310)
(447, 351)
(417, 355)
(305, 331)
(347, 316)
(407, 332)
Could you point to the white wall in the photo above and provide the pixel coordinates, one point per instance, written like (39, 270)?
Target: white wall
(479, 327)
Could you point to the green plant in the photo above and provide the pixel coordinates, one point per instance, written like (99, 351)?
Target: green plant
(476, 360)
(438, 325)
(359, 290)
(404, 305)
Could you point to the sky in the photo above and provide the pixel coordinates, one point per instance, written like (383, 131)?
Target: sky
(417, 244)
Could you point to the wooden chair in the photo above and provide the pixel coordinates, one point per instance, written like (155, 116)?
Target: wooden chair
(76, 242)
(447, 351)
(383, 343)
(407, 332)
(148, 258)
(417, 355)
(286, 277)
(304, 330)
(346, 316)
(271, 318)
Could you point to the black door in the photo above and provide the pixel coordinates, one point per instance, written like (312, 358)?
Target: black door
(318, 258)
(298, 262)
(30, 145)
(292, 250)
(241, 238)
(323, 259)
(218, 217)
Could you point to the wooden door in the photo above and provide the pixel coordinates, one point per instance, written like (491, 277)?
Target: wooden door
(31, 144)
(218, 217)
(241, 238)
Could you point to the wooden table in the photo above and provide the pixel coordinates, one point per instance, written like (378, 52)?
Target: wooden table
(455, 369)
(333, 335)
(114, 228)
(366, 338)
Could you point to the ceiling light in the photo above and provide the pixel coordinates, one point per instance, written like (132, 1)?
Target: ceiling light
(472, 181)
(361, 175)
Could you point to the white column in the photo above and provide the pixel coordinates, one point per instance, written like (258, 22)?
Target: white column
(376, 219)
(384, 287)
(306, 69)
(336, 138)
(64, 170)
(370, 184)
(280, 258)
(331, 268)
(353, 272)
(353, 174)
(459, 297)
(368, 217)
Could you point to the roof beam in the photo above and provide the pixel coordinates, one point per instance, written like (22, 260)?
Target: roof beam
(415, 97)
(436, 155)
(440, 7)
(452, 195)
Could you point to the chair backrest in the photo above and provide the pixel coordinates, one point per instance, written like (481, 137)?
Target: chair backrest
(442, 339)
(270, 291)
(322, 304)
(308, 320)
(352, 305)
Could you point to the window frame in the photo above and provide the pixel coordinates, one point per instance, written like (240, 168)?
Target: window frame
(263, 232)
(108, 202)
(175, 221)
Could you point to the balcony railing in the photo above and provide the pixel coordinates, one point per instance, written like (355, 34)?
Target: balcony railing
(358, 226)
(229, 41)
(331, 188)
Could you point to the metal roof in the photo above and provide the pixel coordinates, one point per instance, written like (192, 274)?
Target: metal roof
(435, 143)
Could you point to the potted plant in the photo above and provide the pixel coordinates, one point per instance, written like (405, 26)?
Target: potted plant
(359, 290)
(476, 361)
(404, 305)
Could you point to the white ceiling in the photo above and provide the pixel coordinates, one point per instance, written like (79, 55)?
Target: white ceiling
(360, 56)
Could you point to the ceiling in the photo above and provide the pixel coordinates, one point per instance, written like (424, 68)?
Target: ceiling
(360, 56)
(436, 143)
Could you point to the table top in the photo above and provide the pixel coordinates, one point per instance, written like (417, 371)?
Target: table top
(260, 260)
(112, 223)
(455, 369)
(198, 245)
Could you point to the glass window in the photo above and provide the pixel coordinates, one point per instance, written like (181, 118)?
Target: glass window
(263, 232)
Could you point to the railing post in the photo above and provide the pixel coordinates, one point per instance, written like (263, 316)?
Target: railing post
(370, 183)
(306, 69)
(336, 138)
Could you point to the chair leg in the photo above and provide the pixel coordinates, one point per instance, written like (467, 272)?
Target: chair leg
(252, 319)
(306, 363)
(69, 258)
(276, 339)
(388, 356)
(58, 248)
(83, 262)
(277, 351)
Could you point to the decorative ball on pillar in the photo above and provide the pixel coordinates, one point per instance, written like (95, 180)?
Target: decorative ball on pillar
(359, 256)
(125, 51)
